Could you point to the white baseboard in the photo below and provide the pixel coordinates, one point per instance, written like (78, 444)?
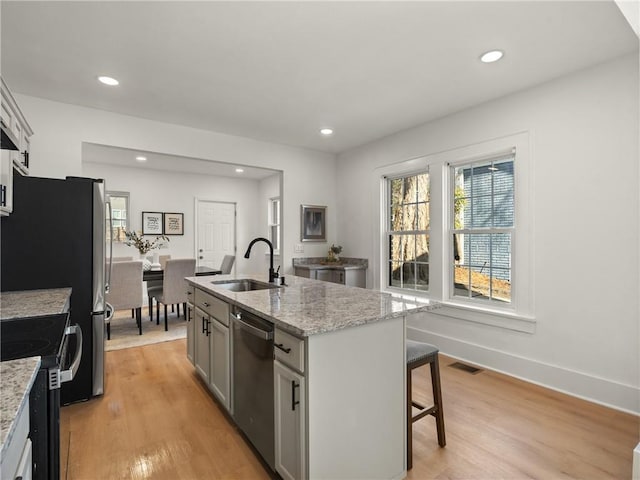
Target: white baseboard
(578, 384)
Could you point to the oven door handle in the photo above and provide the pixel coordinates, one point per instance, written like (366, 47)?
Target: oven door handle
(67, 375)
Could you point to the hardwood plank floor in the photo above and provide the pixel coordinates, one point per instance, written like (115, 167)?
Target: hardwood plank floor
(158, 421)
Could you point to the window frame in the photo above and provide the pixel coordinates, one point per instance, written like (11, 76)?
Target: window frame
(126, 196)
(450, 230)
(518, 315)
(415, 232)
(271, 222)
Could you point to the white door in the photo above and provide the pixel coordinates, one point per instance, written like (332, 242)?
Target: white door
(216, 236)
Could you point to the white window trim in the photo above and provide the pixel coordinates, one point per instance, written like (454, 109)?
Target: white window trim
(270, 223)
(519, 314)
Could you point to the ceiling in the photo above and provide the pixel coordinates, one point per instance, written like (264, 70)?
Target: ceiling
(124, 157)
(280, 71)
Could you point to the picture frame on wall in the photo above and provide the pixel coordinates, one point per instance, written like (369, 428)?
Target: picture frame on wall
(173, 223)
(152, 223)
(313, 223)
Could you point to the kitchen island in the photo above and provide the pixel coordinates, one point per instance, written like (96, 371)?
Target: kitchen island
(339, 372)
(18, 377)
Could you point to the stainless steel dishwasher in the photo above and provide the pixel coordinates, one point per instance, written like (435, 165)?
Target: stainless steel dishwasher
(253, 381)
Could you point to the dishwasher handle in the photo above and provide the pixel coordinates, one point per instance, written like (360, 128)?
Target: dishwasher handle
(255, 331)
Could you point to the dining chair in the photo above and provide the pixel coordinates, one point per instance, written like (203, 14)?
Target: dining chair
(227, 263)
(125, 290)
(124, 259)
(162, 259)
(173, 289)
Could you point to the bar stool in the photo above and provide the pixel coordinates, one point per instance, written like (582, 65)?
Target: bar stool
(419, 354)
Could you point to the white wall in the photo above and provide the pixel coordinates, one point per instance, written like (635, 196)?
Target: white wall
(268, 188)
(584, 131)
(158, 191)
(60, 129)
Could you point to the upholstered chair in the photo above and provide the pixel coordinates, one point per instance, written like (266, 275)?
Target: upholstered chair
(156, 283)
(125, 290)
(174, 288)
(227, 263)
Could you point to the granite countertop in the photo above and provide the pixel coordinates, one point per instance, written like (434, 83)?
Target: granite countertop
(17, 378)
(34, 303)
(307, 307)
(332, 266)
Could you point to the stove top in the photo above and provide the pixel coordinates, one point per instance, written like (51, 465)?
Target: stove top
(32, 336)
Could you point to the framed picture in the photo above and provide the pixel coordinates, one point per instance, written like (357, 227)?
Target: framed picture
(313, 223)
(174, 223)
(152, 223)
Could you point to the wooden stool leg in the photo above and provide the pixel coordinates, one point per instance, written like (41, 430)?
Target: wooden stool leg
(437, 400)
(409, 423)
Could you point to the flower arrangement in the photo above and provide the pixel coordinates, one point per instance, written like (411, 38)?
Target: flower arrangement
(334, 251)
(135, 239)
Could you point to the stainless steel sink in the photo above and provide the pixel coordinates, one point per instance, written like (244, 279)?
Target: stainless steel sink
(243, 285)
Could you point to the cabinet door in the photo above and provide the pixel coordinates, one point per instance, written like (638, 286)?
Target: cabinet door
(289, 391)
(6, 183)
(191, 333)
(202, 355)
(324, 275)
(337, 276)
(220, 362)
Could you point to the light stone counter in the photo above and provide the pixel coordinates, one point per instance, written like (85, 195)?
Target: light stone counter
(34, 303)
(17, 377)
(307, 307)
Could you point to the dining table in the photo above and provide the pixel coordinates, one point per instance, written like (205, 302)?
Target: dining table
(159, 274)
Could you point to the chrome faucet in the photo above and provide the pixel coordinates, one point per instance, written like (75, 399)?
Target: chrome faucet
(272, 274)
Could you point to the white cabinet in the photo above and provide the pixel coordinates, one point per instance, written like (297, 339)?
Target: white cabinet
(17, 128)
(191, 332)
(290, 436)
(6, 183)
(16, 132)
(201, 347)
(220, 371)
(212, 344)
(17, 456)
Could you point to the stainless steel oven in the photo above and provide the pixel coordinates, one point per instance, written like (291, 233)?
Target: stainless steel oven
(253, 381)
(51, 338)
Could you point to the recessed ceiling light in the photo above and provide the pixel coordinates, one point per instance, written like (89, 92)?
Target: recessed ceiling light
(108, 81)
(140, 158)
(492, 56)
(239, 170)
(326, 131)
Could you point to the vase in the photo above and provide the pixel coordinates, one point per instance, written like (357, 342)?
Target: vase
(146, 264)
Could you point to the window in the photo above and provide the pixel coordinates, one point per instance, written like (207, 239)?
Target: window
(119, 202)
(408, 232)
(456, 227)
(482, 227)
(274, 223)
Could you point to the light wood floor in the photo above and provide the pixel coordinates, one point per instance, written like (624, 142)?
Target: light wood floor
(158, 421)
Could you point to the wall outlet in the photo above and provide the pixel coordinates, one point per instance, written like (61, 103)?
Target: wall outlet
(298, 248)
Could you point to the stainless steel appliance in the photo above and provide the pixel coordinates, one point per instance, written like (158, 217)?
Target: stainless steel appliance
(55, 238)
(47, 336)
(253, 381)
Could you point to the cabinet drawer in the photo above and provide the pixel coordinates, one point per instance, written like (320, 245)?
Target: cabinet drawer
(191, 294)
(213, 306)
(289, 349)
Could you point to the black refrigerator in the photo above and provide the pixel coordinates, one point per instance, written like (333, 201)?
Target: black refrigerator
(55, 237)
